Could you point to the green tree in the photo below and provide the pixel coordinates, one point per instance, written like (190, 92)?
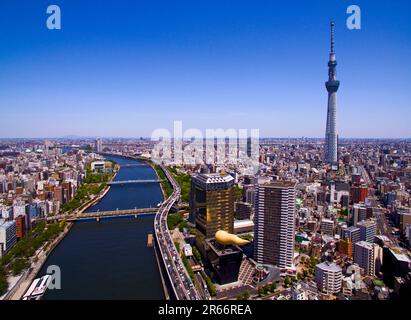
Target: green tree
(210, 287)
(177, 246)
(238, 193)
(287, 281)
(197, 254)
(4, 285)
(173, 220)
(18, 265)
(245, 295)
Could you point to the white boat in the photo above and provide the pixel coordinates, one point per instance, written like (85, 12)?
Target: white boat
(37, 288)
(31, 288)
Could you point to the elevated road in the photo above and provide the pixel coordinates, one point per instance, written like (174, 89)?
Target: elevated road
(181, 283)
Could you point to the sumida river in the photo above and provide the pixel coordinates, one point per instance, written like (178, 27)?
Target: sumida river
(110, 259)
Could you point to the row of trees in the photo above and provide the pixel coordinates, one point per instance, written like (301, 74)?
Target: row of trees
(187, 266)
(310, 264)
(184, 180)
(267, 289)
(17, 258)
(173, 220)
(168, 190)
(93, 184)
(289, 281)
(83, 194)
(210, 286)
(245, 295)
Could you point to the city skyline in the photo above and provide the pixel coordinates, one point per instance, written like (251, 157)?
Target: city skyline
(237, 64)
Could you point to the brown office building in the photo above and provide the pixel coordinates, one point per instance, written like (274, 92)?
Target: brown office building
(20, 227)
(212, 203)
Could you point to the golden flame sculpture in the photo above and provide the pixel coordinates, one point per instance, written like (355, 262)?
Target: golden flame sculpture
(225, 238)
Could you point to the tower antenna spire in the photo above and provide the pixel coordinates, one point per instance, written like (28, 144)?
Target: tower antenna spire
(332, 36)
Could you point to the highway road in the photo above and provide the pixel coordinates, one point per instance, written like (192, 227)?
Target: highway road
(182, 285)
(366, 177)
(385, 227)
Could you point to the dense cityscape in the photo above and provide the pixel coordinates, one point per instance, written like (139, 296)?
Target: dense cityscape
(314, 232)
(213, 219)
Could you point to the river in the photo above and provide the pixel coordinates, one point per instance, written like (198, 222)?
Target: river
(110, 259)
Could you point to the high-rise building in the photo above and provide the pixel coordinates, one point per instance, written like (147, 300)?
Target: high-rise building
(368, 230)
(99, 145)
(331, 137)
(358, 213)
(20, 227)
(345, 246)
(351, 236)
(396, 263)
(243, 210)
(368, 256)
(327, 227)
(275, 223)
(212, 203)
(359, 193)
(8, 237)
(328, 277)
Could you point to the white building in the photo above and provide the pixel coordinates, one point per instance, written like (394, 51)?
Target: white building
(99, 145)
(19, 210)
(188, 250)
(328, 277)
(327, 227)
(358, 213)
(8, 236)
(98, 165)
(368, 256)
(298, 293)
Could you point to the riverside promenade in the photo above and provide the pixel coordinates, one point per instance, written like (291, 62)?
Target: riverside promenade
(37, 261)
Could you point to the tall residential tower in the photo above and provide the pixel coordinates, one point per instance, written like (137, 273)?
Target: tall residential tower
(331, 137)
(274, 223)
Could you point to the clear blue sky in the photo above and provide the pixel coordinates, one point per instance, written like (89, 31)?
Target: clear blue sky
(125, 68)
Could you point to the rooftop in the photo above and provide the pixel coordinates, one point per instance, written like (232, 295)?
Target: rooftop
(329, 266)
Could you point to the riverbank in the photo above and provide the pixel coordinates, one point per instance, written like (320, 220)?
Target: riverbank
(160, 270)
(20, 286)
(100, 196)
(123, 239)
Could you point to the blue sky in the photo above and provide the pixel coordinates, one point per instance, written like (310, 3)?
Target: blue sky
(125, 68)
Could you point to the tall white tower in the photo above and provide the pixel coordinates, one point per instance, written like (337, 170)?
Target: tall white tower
(331, 137)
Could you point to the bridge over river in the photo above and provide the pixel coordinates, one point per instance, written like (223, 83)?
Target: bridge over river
(102, 214)
(134, 181)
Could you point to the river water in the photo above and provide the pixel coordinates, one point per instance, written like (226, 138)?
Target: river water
(110, 259)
